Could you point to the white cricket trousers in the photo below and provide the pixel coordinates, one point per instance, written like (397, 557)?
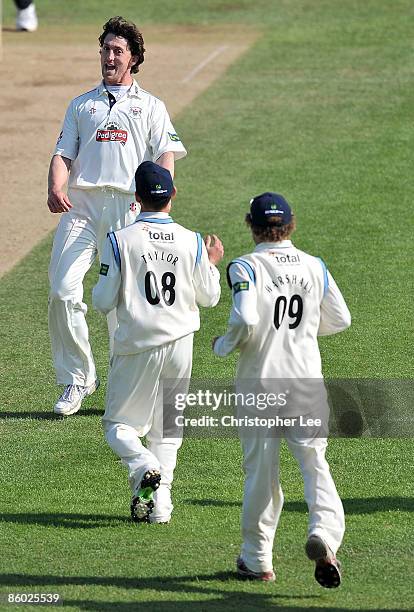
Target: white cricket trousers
(263, 496)
(134, 408)
(77, 241)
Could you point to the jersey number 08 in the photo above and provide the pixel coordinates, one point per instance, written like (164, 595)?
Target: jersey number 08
(152, 292)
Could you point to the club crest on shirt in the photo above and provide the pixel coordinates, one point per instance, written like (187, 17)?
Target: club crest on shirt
(112, 132)
(135, 111)
(174, 137)
(104, 269)
(241, 286)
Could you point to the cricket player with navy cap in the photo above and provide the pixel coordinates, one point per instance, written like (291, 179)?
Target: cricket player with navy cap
(156, 273)
(283, 299)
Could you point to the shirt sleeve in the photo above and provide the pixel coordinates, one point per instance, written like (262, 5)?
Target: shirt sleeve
(68, 142)
(206, 277)
(163, 135)
(243, 316)
(335, 315)
(105, 293)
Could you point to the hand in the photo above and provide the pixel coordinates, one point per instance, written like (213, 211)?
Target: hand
(58, 202)
(215, 249)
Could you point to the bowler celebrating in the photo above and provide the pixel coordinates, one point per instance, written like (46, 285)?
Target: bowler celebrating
(283, 299)
(107, 133)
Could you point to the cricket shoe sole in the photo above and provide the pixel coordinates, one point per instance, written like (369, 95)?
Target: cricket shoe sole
(327, 567)
(142, 503)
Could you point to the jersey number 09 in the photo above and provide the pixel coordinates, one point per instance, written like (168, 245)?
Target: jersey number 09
(152, 291)
(294, 311)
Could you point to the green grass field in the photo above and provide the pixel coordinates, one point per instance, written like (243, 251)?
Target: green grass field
(320, 109)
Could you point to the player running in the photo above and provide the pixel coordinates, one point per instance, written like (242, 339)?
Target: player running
(155, 273)
(283, 299)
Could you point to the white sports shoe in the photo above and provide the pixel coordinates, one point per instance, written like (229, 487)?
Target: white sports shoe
(26, 19)
(71, 399)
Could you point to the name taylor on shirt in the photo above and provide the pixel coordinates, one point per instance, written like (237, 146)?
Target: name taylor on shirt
(160, 257)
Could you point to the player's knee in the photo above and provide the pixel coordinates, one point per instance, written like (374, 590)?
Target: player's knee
(121, 438)
(62, 291)
(57, 295)
(59, 290)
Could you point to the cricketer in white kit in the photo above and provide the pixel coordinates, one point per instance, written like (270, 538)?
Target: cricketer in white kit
(107, 133)
(283, 298)
(155, 273)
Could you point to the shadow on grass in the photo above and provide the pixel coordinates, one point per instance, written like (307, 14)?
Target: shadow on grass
(239, 602)
(49, 415)
(229, 597)
(70, 521)
(357, 505)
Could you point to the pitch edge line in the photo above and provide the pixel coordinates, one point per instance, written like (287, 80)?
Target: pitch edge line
(204, 63)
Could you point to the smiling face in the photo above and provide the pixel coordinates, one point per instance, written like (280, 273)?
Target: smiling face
(116, 60)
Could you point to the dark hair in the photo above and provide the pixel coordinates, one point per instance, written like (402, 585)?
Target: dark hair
(156, 205)
(118, 26)
(272, 233)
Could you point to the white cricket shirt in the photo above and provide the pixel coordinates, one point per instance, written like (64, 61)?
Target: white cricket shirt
(107, 145)
(156, 273)
(283, 298)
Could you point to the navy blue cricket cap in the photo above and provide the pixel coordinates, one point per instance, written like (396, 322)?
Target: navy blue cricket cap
(270, 209)
(153, 183)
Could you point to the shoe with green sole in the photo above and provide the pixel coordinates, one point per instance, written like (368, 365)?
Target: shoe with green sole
(142, 503)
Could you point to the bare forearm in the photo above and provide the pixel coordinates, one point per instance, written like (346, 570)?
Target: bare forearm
(57, 200)
(167, 161)
(58, 172)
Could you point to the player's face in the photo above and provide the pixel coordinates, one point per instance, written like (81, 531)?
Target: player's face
(116, 60)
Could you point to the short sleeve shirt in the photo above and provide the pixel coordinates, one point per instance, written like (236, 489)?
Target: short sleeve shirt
(106, 145)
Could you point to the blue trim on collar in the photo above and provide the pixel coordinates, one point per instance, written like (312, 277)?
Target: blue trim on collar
(161, 220)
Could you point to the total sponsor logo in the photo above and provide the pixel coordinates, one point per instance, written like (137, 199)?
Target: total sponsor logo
(285, 259)
(112, 133)
(160, 236)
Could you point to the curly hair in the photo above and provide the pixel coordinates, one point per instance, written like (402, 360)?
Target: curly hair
(118, 26)
(271, 233)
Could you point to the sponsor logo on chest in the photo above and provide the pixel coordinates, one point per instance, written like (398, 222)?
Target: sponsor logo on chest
(112, 132)
(160, 236)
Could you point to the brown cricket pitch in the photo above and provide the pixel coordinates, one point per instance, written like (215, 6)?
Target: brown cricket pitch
(41, 72)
